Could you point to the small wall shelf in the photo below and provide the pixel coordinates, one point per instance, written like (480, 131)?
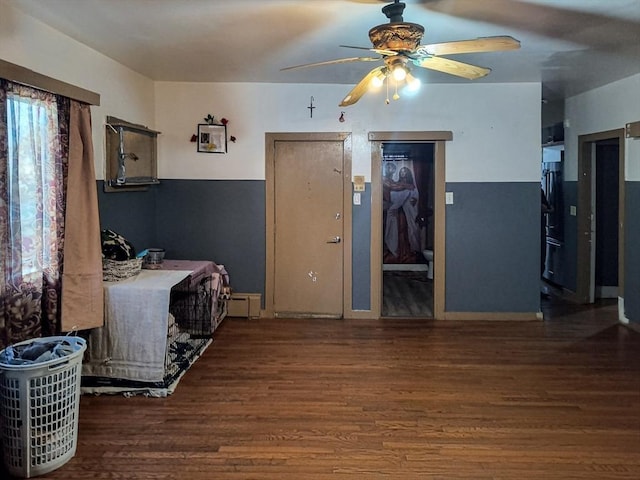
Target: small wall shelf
(131, 156)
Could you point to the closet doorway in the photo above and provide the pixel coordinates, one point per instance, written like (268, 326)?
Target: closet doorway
(408, 223)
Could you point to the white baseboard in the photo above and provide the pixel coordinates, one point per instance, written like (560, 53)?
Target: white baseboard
(606, 291)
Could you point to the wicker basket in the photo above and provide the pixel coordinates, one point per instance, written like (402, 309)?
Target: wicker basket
(114, 270)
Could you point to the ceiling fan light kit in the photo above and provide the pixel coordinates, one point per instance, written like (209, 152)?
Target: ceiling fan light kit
(398, 44)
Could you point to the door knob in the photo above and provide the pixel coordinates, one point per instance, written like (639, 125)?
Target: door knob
(335, 240)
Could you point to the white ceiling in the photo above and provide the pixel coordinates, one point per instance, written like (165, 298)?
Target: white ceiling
(569, 45)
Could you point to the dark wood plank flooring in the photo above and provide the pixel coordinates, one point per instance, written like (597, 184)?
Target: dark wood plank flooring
(407, 294)
(395, 399)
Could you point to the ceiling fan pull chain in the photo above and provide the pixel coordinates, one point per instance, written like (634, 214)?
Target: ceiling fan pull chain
(386, 80)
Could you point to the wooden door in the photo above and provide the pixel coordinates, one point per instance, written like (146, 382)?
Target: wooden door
(585, 235)
(308, 230)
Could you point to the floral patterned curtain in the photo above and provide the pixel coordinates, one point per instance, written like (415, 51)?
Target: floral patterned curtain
(33, 173)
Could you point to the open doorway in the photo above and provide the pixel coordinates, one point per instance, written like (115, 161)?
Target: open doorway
(601, 214)
(438, 139)
(408, 227)
(606, 207)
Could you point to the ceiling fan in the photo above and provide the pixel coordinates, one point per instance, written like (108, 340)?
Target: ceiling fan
(398, 44)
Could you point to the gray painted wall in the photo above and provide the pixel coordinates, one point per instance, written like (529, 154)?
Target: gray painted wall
(632, 252)
(131, 214)
(361, 252)
(492, 232)
(218, 220)
(493, 247)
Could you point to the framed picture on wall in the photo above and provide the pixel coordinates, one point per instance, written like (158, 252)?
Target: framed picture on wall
(212, 138)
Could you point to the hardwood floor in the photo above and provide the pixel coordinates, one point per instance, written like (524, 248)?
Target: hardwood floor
(407, 294)
(396, 398)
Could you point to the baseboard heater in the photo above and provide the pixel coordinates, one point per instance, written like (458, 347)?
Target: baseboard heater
(244, 305)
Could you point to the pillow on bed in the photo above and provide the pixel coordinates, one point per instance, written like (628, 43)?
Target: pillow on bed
(116, 247)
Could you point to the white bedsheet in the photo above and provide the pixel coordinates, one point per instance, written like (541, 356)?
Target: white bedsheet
(132, 344)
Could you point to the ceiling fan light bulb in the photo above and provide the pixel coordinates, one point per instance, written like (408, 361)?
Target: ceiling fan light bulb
(399, 73)
(377, 81)
(413, 83)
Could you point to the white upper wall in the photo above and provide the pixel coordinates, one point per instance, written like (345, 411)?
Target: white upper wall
(606, 108)
(496, 127)
(123, 93)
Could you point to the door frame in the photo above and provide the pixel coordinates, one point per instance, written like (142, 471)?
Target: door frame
(270, 156)
(585, 244)
(439, 139)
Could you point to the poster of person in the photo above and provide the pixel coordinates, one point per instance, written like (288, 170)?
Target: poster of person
(400, 197)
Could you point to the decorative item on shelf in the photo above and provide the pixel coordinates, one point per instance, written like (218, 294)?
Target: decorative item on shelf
(212, 136)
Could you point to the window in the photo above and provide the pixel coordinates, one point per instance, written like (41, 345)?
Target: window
(37, 217)
(33, 183)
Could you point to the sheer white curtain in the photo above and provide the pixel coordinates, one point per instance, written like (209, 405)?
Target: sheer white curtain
(32, 172)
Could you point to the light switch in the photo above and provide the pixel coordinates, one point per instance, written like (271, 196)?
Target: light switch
(356, 198)
(358, 183)
(448, 198)
(572, 210)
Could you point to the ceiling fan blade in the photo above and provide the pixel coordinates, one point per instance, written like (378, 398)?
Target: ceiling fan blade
(484, 44)
(361, 88)
(377, 50)
(332, 62)
(453, 67)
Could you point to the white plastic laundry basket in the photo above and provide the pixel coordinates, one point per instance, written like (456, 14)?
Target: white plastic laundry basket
(39, 406)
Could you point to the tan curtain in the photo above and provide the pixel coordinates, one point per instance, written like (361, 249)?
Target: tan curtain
(82, 294)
